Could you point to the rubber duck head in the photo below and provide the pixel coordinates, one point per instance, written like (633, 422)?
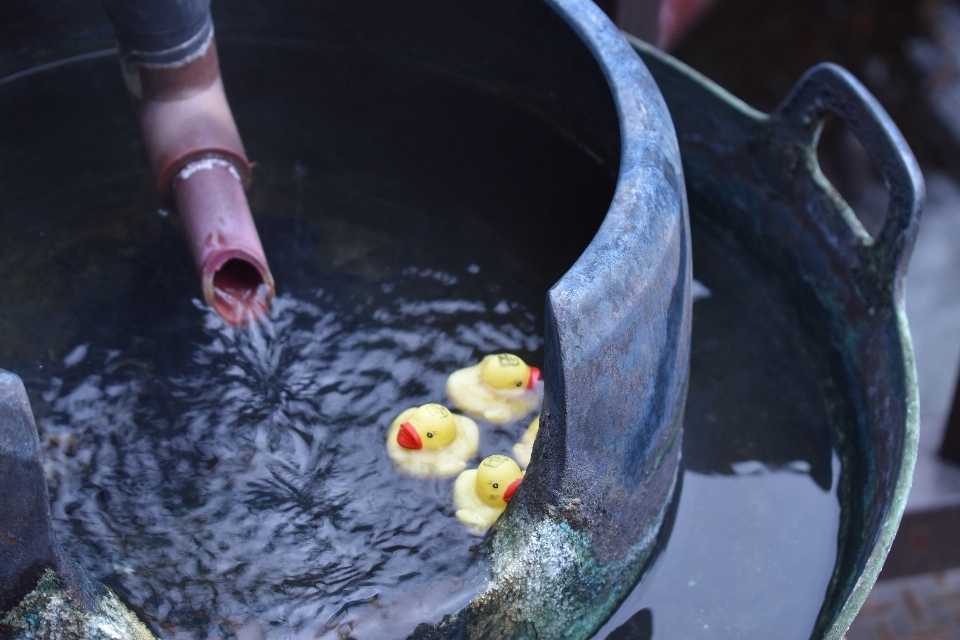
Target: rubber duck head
(430, 427)
(506, 371)
(497, 479)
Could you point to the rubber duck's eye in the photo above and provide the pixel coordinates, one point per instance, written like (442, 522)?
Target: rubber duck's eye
(519, 384)
(495, 485)
(429, 434)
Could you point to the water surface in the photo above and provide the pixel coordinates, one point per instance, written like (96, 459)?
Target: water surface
(233, 483)
(756, 525)
(229, 482)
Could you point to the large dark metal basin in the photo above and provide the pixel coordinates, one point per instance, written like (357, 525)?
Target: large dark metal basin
(616, 323)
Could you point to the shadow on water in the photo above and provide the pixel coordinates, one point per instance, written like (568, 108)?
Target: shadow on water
(638, 627)
(754, 539)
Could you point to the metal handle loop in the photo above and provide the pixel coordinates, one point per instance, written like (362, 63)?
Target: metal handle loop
(828, 88)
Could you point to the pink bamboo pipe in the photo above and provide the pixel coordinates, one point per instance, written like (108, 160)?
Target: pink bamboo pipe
(200, 165)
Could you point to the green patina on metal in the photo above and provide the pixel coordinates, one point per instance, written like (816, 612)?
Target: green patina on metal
(546, 581)
(755, 178)
(49, 613)
(543, 572)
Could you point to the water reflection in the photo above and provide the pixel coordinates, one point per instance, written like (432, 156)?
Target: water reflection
(754, 539)
(749, 556)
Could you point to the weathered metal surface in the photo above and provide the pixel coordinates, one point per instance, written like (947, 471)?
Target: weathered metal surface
(52, 610)
(755, 177)
(28, 546)
(617, 340)
(618, 326)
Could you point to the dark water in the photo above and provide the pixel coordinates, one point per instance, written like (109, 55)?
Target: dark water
(246, 483)
(749, 556)
(234, 483)
(755, 533)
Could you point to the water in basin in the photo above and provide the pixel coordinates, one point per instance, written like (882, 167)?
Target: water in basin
(234, 482)
(755, 532)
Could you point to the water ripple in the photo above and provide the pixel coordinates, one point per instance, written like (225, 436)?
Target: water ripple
(246, 485)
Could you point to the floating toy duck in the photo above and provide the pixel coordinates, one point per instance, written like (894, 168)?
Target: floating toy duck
(430, 442)
(482, 494)
(500, 388)
(523, 449)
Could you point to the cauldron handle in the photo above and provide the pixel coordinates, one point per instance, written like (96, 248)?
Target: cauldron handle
(829, 88)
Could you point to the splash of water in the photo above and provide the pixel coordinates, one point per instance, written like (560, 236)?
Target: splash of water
(243, 484)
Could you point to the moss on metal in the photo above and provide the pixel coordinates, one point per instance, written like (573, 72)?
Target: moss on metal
(546, 582)
(49, 613)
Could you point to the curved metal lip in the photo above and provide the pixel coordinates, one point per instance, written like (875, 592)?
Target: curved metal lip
(637, 265)
(604, 468)
(889, 251)
(641, 110)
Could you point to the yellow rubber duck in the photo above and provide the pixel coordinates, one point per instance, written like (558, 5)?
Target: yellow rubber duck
(431, 442)
(523, 449)
(482, 494)
(500, 388)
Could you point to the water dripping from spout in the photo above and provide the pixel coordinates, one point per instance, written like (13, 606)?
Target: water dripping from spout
(239, 292)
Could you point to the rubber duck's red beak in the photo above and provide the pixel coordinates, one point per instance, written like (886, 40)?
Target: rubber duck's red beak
(512, 489)
(408, 438)
(534, 377)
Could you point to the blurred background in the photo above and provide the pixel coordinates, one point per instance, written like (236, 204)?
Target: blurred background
(907, 53)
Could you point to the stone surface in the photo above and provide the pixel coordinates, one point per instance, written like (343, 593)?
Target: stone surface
(921, 607)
